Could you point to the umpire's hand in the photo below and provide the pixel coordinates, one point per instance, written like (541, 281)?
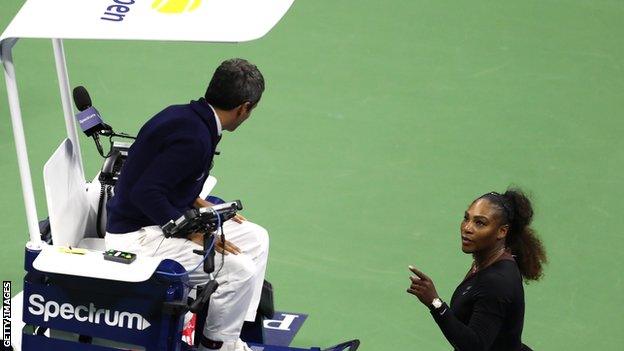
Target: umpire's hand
(221, 247)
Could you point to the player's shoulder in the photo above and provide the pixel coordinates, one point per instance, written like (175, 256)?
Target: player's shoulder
(503, 276)
(503, 269)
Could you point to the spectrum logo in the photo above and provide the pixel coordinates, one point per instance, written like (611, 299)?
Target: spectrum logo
(175, 6)
(52, 309)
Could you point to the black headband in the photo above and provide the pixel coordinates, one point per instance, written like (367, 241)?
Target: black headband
(503, 202)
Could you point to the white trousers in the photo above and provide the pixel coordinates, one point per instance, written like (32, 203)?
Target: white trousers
(240, 279)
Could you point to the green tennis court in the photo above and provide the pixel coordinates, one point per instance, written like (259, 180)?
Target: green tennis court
(380, 123)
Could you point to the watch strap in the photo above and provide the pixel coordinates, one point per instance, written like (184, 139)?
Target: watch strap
(436, 304)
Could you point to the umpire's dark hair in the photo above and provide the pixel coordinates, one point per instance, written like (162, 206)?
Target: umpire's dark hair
(235, 82)
(515, 210)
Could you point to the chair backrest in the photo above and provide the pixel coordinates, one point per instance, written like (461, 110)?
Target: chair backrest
(65, 190)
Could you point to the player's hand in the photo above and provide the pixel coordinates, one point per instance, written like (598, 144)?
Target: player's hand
(422, 287)
(226, 247)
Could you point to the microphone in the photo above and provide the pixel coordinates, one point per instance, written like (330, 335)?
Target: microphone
(91, 122)
(89, 118)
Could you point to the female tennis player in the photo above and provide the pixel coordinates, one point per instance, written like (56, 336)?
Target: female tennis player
(487, 308)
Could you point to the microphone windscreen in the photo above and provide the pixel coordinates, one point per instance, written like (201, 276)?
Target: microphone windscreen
(81, 98)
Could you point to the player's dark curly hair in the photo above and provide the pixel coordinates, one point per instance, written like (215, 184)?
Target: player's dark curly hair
(516, 211)
(235, 82)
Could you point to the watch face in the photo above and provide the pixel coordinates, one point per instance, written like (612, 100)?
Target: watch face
(437, 303)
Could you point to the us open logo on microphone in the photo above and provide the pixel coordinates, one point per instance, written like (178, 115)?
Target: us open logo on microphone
(85, 314)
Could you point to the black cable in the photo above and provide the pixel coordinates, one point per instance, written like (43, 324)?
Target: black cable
(110, 145)
(121, 135)
(98, 223)
(222, 254)
(96, 138)
(161, 241)
(187, 284)
(110, 134)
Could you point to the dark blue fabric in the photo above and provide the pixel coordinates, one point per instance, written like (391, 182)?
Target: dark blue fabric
(165, 169)
(215, 200)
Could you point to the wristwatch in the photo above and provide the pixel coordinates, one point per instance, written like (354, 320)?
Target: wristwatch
(436, 303)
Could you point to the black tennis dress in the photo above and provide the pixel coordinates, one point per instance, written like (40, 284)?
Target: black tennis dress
(487, 310)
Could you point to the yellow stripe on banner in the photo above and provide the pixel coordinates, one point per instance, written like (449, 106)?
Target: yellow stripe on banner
(175, 6)
(156, 3)
(195, 5)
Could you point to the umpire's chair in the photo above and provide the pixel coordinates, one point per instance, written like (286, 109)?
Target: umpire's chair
(76, 300)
